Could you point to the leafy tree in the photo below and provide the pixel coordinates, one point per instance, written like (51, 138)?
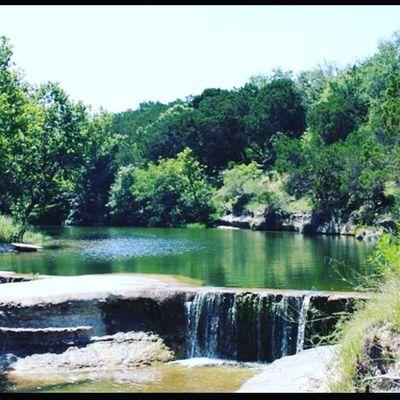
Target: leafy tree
(221, 136)
(91, 191)
(276, 108)
(170, 133)
(171, 192)
(312, 83)
(340, 110)
(123, 208)
(247, 188)
(129, 126)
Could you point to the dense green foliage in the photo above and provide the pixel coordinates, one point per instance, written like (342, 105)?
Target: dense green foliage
(246, 188)
(10, 230)
(327, 138)
(171, 192)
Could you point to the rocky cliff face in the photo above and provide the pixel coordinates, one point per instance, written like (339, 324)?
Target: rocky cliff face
(303, 223)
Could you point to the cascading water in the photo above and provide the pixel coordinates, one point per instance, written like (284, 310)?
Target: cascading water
(211, 326)
(245, 326)
(302, 323)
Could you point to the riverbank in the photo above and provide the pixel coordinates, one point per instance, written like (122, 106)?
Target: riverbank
(310, 223)
(5, 247)
(11, 230)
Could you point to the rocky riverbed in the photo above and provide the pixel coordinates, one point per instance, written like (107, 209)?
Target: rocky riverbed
(105, 357)
(56, 330)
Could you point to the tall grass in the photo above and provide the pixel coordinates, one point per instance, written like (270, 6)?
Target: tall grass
(9, 228)
(381, 311)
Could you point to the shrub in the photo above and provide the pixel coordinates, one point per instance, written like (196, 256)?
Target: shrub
(172, 192)
(247, 188)
(9, 228)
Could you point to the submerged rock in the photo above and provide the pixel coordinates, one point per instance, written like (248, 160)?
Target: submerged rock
(104, 357)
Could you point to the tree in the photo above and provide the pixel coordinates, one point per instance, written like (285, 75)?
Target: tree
(92, 187)
(340, 110)
(171, 192)
(221, 134)
(129, 125)
(277, 108)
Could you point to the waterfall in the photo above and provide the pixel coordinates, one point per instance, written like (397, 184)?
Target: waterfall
(211, 326)
(260, 307)
(302, 323)
(285, 327)
(244, 326)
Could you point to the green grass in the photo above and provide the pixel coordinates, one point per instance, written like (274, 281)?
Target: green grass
(9, 228)
(302, 205)
(381, 311)
(195, 225)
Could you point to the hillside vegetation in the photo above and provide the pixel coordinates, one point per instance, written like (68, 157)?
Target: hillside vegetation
(324, 140)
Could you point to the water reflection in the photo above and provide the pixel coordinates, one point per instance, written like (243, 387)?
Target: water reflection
(235, 258)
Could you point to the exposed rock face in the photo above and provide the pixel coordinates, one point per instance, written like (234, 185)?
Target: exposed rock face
(27, 340)
(9, 277)
(103, 357)
(303, 223)
(103, 317)
(285, 221)
(239, 221)
(369, 234)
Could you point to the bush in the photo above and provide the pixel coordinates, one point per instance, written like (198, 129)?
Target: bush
(172, 192)
(247, 188)
(9, 228)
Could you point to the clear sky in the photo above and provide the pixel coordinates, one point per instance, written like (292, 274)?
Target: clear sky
(119, 56)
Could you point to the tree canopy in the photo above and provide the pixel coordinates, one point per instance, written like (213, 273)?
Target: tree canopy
(328, 137)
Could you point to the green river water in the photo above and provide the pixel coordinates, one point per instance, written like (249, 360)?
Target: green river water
(216, 257)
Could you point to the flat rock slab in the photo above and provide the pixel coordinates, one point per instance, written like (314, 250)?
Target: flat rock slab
(57, 289)
(307, 371)
(25, 247)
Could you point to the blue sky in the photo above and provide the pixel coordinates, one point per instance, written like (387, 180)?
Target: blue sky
(117, 57)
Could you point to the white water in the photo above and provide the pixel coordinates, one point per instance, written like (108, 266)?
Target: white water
(216, 331)
(302, 323)
(206, 361)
